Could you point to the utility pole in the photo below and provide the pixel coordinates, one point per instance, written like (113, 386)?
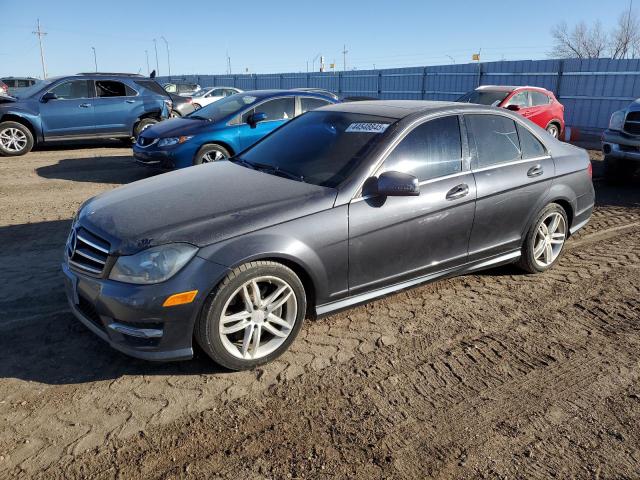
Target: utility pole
(166, 44)
(155, 45)
(146, 53)
(453, 60)
(228, 63)
(313, 62)
(95, 58)
(41, 34)
(344, 58)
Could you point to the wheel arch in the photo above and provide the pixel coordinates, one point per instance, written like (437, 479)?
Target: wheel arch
(12, 117)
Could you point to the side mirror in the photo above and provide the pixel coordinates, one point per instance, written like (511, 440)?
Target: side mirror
(48, 96)
(398, 184)
(254, 118)
(514, 108)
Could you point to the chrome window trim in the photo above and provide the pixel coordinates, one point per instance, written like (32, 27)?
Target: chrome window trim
(513, 162)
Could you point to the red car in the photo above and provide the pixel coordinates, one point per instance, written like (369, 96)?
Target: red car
(535, 103)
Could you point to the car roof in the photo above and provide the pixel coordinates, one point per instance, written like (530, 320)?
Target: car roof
(509, 88)
(284, 92)
(392, 108)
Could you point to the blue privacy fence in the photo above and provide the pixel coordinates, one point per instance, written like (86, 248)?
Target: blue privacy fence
(589, 89)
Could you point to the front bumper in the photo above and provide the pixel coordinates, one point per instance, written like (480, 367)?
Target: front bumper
(131, 318)
(169, 158)
(621, 146)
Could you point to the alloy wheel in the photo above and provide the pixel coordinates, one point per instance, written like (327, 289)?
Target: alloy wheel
(13, 140)
(549, 240)
(213, 156)
(258, 317)
(553, 131)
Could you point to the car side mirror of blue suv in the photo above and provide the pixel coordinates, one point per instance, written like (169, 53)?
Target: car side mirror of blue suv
(48, 96)
(254, 118)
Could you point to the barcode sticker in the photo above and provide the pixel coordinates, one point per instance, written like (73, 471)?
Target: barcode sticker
(367, 127)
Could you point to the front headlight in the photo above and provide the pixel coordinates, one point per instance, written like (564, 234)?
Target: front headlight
(153, 265)
(167, 142)
(617, 120)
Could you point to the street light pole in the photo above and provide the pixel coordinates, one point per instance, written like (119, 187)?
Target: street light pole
(155, 46)
(95, 58)
(146, 53)
(166, 44)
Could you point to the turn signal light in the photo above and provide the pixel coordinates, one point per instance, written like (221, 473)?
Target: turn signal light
(590, 170)
(180, 298)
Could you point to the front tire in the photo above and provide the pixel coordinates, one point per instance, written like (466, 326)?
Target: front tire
(211, 153)
(15, 139)
(545, 240)
(175, 114)
(142, 125)
(253, 316)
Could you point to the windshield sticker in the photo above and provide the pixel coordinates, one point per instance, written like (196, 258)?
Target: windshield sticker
(367, 128)
(247, 99)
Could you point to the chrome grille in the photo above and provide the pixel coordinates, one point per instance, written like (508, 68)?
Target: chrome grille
(632, 123)
(86, 252)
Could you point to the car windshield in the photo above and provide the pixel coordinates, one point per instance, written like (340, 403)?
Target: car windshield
(36, 87)
(321, 148)
(484, 97)
(224, 107)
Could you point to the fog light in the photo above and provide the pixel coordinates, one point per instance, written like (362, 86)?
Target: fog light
(180, 298)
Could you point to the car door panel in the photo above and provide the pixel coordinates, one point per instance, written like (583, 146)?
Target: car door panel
(394, 238)
(66, 116)
(404, 237)
(508, 192)
(116, 114)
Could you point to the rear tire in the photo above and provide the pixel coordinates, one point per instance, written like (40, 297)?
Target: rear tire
(211, 153)
(15, 139)
(553, 130)
(233, 316)
(142, 125)
(545, 240)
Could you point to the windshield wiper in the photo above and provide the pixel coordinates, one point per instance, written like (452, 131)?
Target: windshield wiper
(271, 169)
(198, 117)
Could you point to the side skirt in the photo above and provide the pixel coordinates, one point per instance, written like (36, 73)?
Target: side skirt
(361, 298)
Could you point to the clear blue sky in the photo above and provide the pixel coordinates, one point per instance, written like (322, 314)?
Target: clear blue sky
(280, 36)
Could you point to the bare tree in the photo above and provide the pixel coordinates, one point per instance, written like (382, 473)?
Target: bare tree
(580, 42)
(625, 37)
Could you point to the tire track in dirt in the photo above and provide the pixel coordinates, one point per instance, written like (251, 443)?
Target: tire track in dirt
(423, 402)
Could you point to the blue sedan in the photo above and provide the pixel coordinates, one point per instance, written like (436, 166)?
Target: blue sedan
(224, 128)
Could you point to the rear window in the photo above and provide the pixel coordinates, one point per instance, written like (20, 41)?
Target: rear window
(539, 98)
(153, 86)
(484, 97)
(309, 103)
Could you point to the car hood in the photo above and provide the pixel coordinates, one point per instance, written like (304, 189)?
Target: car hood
(634, 106)
(7, 99)
(200, 205)
(176, 127)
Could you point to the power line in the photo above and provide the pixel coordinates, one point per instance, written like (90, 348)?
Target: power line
(41, 34)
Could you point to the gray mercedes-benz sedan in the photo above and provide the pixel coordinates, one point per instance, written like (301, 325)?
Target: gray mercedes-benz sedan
(339, 206)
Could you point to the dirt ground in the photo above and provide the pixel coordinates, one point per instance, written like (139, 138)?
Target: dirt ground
(493, 375)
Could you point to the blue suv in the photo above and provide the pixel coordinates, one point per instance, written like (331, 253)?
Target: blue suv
(223, 128)
(80, 107)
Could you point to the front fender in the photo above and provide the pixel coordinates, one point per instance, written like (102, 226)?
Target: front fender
(26, 116)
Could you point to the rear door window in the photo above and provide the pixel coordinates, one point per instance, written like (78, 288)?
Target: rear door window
(112, 88)
(153, 86)
(494, 139)
(431, 150)
(539, 98)
(309, 103)
(530, 145)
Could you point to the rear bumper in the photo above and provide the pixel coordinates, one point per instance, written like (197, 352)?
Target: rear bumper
(131, 318)
(621, 146)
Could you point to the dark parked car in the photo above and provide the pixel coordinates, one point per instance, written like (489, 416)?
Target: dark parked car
(184, 89)
(17, 84)
(80, 107)
(621, 144)
(338, 206)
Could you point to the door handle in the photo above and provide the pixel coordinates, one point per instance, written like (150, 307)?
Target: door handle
(535, 171)
(130, 101)
(84, 105)
(458, 191)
